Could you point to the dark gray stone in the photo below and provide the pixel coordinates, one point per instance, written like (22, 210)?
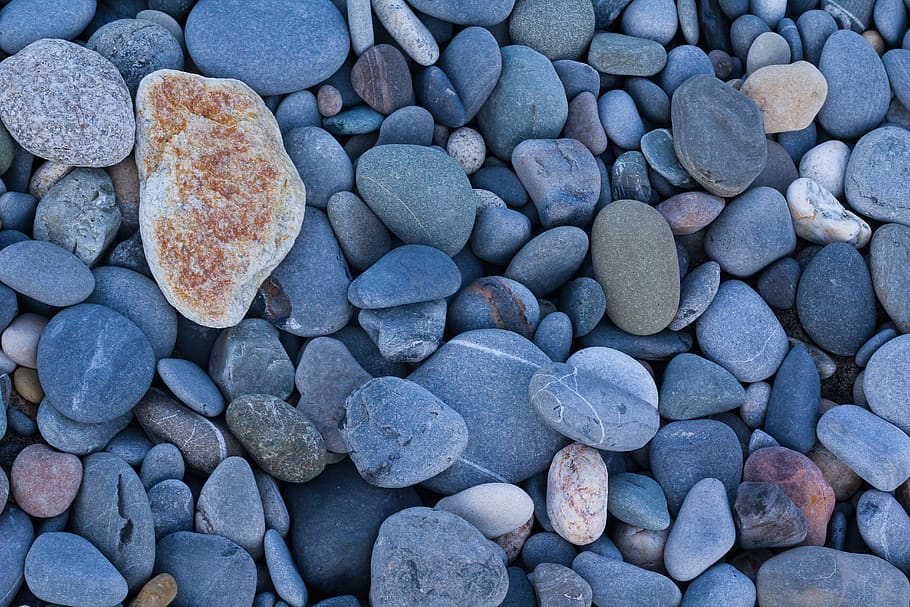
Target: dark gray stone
(558, 586)
(621, 55)
(554, 336)
(45, 272)
(659, 346)
(171, 502)
(638, 500)
(76, 437)
(657, 147)
(766, 518)
(494, 302)
(778, 282)
(702, 533)
(697, 290)
(17, 532)
(888, 253)
(621, 119)
(559, 29)
(162, 462)
(361, 235)
(695, 387)
(275, 510)
(248, 359)
(408, 333)
(629, 178)
(584, 302)
(321, 162)
(793, 405)
(547, 548)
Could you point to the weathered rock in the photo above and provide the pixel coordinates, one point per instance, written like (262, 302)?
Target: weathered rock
(616, 584)
(221, 201)
(820, 218)
(689, 212)
(577, 494)
(883, 524)
(248, 358)
(766, 518)
(890, 274)
(558, 586)
(160, 591)
(875, 183)
(789, 96)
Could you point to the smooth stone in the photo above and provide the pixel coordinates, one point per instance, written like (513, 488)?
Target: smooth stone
(210, 570)
(621, 119)
(826, 164)
(408, 333)
(878, 516)
(112, 511)
(629, 178)
(335, 520)
(75, 437)
(140, 300)
(381, 78)
(801, 480)
(434, 191)
(494, 509)
(360, 120)
(274, 508)
(467, 12)
(159, 591)
(399, 434)
(495, 302)
(79, 214)
(723, 160)
(23, 22)
(499, 233)
(577, 489)
(56, 79)
(657, 147)
(172, 506)
(558, 30)
(558, 586)
(44, 482)
(20, 339)
(690, 212)
(694, 387)
(162, 462)
(65, 568)
(812, 576)
(297, 110)
(276, 47)
(639, 501)
(683, 453)
(815, 26)
(874, 449)
(548, 260)
(503, 363)
(547, 547)
(407, 30)
(362, 236)
(17, 212)
(697, 290)
(584, 302)
(321, 163)
(873, 344)
(653, 100)
(820, 218)
(687, 11)
(193, 386)
(468, 149)
(409, 125)
(766, 517)
(793, 404)
(473, 63)
(779, 171)
(835, 300)
(508, 117)
(683, 62)
(406, 275)
(203, 443)
(554, 336)
(46, 273)
(659, 346)
(129, 254)
(637, 268)
(652, 19)
(874, 185)
(137, 47)
(789, 96)
(436, 92)
(702, 533)
(890, 274)
(283, 571)
(621, 55)
(768, 49)
(503, 182)
(720, 586)
(452, 560)
(229, 505)
(248, 358)
(897, 66)
(18, 533)
(278, 437)
(743, 32)
(615, 583)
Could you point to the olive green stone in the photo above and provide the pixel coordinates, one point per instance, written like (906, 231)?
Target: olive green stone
(279, 438)
(635, 262)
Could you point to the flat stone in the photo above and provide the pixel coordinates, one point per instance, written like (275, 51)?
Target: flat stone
(55, 79)
(614, 583)
(406, 275)
(193, 386)
(399, 434)
(472, 61)
(229, 505)
(45, 272)
(18, 533)
(621, 55)
(274, 508)
(495, 509)
(407, 30)
(199, 235)
(639, 501)
(577, 486)
(874, 183)
(878, 516)
(820, 218)
(277, 436)
(718, 135)
(696, 387)
(75, 437)
(283, 571)
(494, 302)
(248, 358)
(467, 12)
(793, 405)
(160, 591)
(637, 268)
(766, 518)
(789, 96)
(549, 259)
(381, 77)
(363, 238)
(703, 531)
(172, 504)
(657, 147)
(321, 162)
(43, 482)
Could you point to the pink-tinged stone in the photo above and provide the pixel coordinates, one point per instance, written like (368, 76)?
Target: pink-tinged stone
(803, 483)
(577, 494)
(690, 212)
(45, 482)
(513, 541)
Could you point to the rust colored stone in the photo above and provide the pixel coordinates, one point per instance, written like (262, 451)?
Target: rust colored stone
(382, 79)
(125, 177)
(44, 482)
(842, 479)
(803, 483)
(160, 591)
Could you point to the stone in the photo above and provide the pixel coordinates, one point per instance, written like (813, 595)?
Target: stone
(160, 591)
(501, 364)
(842, 479)
(615, 583)
(683, 62)
(577, 494)
(131, 444)
(720, 586)
(621, 55)
(362, 236)
(820, 218)
(547, 547)
(499, 232)
(249, 206)
(399, 434)
(826, 165)
(94, 364)
(801, 480)
(172, 505)
(248, 358)
(467, 147)
(641, 547)
(766, 518)
(874, 183)
(879, 518)
(210, 570)
(444, 549)
(512, 542)
(20, 339)
(406, 275)
(629, 177)
(18, 533)
(162, 462)
(23, 22)
(621, 119)
(321, 163)
(46, 273)
(789, 96)
(584, 302)
(696, 292)
(793, 404)
(230, 40)
(858, 89)
(767, 50)
(890, 277)
(558, 30)
(509, 117)
(651, 19)
(558, 586)
(495, 509)
(274, 509)
(494, 302)
(637, 268)
(657, 147)
(812, 576)
(884, 380)
(473, 63)
(407, 30)
(282, 570)
(835, 300)
(189, 383)
(421, 195)
(467, 12)
(739, 332)
(229, 505)
(548, 260)
(75, 437)
(56, 79)
(703, 531)
(112, 511)
(695, 387)
(43, 482)
(408, 333)
(381, 78)
(65, 568)
(137, 47)
(639, 501)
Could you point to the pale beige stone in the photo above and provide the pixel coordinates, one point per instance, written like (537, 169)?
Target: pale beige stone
(577, 494)
(789, 96)
(220, 200)
(494, 508)
(46, 176)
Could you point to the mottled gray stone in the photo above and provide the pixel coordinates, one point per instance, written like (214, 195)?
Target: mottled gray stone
(766, 518)
(229, 505)
(172, 505)
(882, 523)
(248, 359)
(890, 273)
(45, 272)
(696, 292)
(638, 500)
(137, 47)
(407, 274)
(622, 55)
(558, 586)
(876, 183)
(720, 586)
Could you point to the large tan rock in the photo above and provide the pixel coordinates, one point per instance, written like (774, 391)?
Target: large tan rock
(789, 96)
(220, 201)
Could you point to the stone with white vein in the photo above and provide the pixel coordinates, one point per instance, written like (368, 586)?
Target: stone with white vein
(820, 218)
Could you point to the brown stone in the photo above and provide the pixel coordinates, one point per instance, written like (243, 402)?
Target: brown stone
(513, 541)
(329, 100)
(789, 96)
(125, 177)
(690, 212)
(902, 494)
(159, 591)
(842, 479)
(381, 77)
(801, 480)
(45, 482)
(26, 383)
(220, 200)
(46, 176)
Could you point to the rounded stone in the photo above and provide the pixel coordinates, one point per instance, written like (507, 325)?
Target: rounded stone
(694, 387)
(789, 96)
(162, 462)
(635, 262)
(193, 386)
(321, 162)
(46, 273)
(494, 302)
(558, 29)
(622, 55)
(229, 505)
(75, 437)
(638, 500)
(381, 78)
(690, 212)
(878, 516)
(495, 509)
(621, 119)
(720, 586)
(890, 273)
(547, 261)
(652, 19)
(248, 358)
(703, 531)
(826, 165)
(137, 47)
(766, 517)
(615, 582)
(696, 292)
(23, 21)
(20, 339)
(44, 482)
(405, 275)
(577, 487)
(820, 218)
(875, 183)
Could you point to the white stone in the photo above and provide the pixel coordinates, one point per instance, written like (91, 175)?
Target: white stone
(494, 508)
(577, 486)
(820, 218)
(468, 149)
(826, 164)
(407, 30)
(20, 339)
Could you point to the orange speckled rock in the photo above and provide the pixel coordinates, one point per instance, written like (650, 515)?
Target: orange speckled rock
(577, 494)
(220, 201)
(801, 480)
(160, 591)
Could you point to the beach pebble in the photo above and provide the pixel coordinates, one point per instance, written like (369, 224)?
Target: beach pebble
(558, 586)
(890, 277)
(23, 22)
(767, 50)
(697, 290)
(229, 505)
(885, 379)
(243, 353)
(820, 218)
(381, 78)
(495, 509)
(43, 482)
(584, 302)
(362, 236)
(321, 163)
(720, 586)
(467, 147)
(789, 96)
(45, 272)
(622, 55)
(766, 517)
(880, 517)
(873, 185)
(639, 501)
(408, 333)
(549, 259)
(826, 165)
(793, 404)
(559, 29)
(695, 387)
(703, 531)
(495, 302)
(161, 462)
(193, 386)
(137, 47)
(407, 30)
(657, 147)
(621, 119)
(577, 486)
(406, 275)
(20, 339)
(689, 212)
(614, 582)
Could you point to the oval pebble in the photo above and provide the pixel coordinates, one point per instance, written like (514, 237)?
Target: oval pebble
(44, 482)
(702, 533)
(46, 273)
(493, 508)
(193, 386)
(874, 183)
(577, 488)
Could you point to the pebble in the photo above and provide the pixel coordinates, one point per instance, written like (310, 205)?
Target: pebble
(18, 534)
(452, 560)
(820, 218)
(826, 165)
(720, 586)
(399, 434)
(694, 387)
(789, 96)
(549, 260)
(65, 568)
(629, 178)
(466, 12)
(23, 22)
(884, 380)
(558, 586)
(878, 516)
(495, 302)
(512, 542)
(554, 336)
(53, 79)
(889, 276)
(283, 572)
(297, 110)
(171, 502)
(210, 570)
(766, 517)
(499, 232)
(321, 163)
(46, 273)
(547, 547)
(577, 494)
(872, 185)
(842, 479)
(659, 346)
(20, 339)
(559, 30)
(381, 78)
(793, 404)
(43, 482)
(473, 63)
(408, 333)
(621, 55)
(801, 480)
(467, 147)
(874, 449)
(193, 386)
(653, 100)
(621, 119)
(768, 49)
(17, 212)
(273, 506)
(75, 437)
(639, 501)
(689, 212)
(406, 275)
(735, 154)
(584, 302)
(248, 358)
(362, 236)
(652, 19)
(813, 576)
(697, 291)
(306, 44)
(277, 436)
(160, 591)
(703, 531)
(407, 30)
(229, 505)
(137, 47)
(614, 583)
(657, 147)
(495, 509)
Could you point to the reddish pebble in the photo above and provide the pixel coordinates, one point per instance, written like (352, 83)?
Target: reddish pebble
(329, 100)
(45, 482)
(513, 541)
(801, 480)
(577, 494)
(689, 212)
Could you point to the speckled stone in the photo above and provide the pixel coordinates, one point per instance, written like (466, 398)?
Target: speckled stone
(875, 183)
(622, 55)
(137, 47)
(558, 586)
(577, 486)
(789, 96)
(638, 500)
(695, 387)
(793, 404)
(820, 218)
(248, 358)
(559, 29)
(43, 482)
(615, 583)
(880, 518)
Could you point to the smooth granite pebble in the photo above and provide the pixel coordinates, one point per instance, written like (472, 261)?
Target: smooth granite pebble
(793, 404)
(137, 47)
(826, 165)
(621, 119)
(622, 55)
(880, 518)
(43, 482)
(639, 501)
(577, 488)
(229, 505)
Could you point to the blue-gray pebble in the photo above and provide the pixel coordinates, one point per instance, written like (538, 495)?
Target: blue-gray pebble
(25, 21)
(321, 162)
(793, 404)
(137, 48)
(46, 273)
(720, 586)
(549, 260)
(696, 387)
(638, 500)
(406, 275)
(17, 532)
(191, 385)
